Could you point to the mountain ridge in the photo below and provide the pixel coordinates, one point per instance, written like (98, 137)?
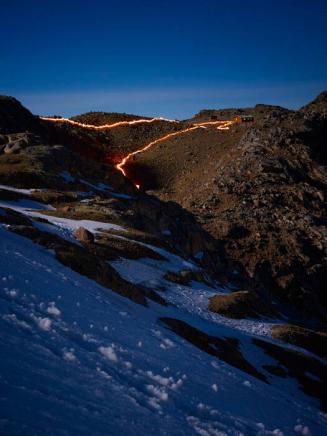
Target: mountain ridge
(187, 299)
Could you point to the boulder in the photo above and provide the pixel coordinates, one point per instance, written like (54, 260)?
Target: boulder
(313, 341)
(83, 235)
(184, 277)
(15, 146)
(19, 141)
(240, 304)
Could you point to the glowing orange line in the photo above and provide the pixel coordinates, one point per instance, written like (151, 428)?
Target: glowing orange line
(221, 125)
(146, 147)
(106, 126)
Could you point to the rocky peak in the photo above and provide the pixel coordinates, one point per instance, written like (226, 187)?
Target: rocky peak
(319, 104)
(14, 117)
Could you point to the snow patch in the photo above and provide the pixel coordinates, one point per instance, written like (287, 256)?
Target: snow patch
(13, 319)
(302, 430)
(109, 353)
(159, 393)
(44, 323)
(69, 355)
(53, 310)
(21, 191)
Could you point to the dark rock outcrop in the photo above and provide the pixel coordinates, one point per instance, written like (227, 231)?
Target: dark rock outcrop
(16, 118)
(241, 304)
(83, 235)
(316, 342)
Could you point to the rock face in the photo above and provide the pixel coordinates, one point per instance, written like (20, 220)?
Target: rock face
(261, 192)
(276, 192)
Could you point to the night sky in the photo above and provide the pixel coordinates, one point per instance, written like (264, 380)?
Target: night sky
(161, 58)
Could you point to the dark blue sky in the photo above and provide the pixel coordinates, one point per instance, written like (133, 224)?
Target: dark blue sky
(164, 57)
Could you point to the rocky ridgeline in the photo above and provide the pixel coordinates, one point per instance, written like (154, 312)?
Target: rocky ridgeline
(101, 118)
(275, 222)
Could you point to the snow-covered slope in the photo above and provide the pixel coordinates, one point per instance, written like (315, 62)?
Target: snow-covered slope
(79, 359)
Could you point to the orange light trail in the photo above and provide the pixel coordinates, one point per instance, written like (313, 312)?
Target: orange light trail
(107, 126)
(221, 125)
(121, 165)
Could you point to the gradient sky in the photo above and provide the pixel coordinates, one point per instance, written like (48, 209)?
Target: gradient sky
(169, 58)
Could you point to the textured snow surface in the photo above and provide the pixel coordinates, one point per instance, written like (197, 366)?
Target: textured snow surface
(78, 359)
(193, 298)
(29, 208)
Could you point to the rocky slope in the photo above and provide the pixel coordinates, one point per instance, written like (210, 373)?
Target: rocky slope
(93, 270)
(259, 189)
